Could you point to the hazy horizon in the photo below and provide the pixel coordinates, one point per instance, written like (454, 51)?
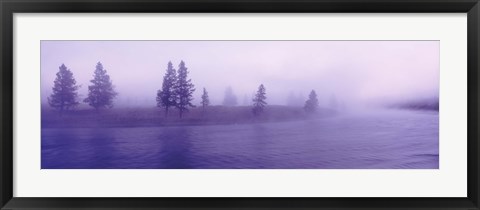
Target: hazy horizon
(356, 72)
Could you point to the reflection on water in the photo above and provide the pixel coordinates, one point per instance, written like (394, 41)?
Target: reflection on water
(176, 148)
(396, 139)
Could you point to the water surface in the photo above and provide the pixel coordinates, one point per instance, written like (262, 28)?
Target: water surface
(388, 139)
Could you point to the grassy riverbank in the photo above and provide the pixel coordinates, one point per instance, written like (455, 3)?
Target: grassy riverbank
(141, 116)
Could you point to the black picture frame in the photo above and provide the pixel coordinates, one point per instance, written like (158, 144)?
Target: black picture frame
(9, 7)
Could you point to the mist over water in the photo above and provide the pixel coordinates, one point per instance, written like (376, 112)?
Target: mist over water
(375, 140)
(357, 73)
(377, 105)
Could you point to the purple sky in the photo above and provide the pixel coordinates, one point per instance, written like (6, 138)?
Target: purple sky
(355, 71)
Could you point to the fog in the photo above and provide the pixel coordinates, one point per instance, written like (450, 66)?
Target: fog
(353, 72)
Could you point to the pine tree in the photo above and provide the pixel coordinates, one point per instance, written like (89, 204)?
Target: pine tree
(101, 93)
(205, 100)
(184, 90)
(167, 96)
(230, 98)
(259, 100)
(311, 105)
(64, 90)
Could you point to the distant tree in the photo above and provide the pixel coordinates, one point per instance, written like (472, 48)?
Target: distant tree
(259, 102)
(167, 96)
(291, 99)
(295, 99)
(311, 105)
(333, 102)
(245, 100)
(101, 93)
(64, 90)
(205, 100)
(230, 98)
(184, 90)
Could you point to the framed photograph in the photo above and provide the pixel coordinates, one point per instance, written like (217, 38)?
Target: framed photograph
(239, 105)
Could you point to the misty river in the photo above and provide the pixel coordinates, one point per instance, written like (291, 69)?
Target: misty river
(374, 140)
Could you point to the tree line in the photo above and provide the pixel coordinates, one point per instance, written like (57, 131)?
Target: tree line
(64, 91)
(176, 92)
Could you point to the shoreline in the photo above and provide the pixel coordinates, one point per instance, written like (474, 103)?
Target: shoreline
(153, 117)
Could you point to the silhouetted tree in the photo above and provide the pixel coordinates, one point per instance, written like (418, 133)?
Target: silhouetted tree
(230, 98)
(259, 102)
(64, 90)
(205, 100)
(101, 93)
(184, 90)
(311, 105)
(167, 96)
